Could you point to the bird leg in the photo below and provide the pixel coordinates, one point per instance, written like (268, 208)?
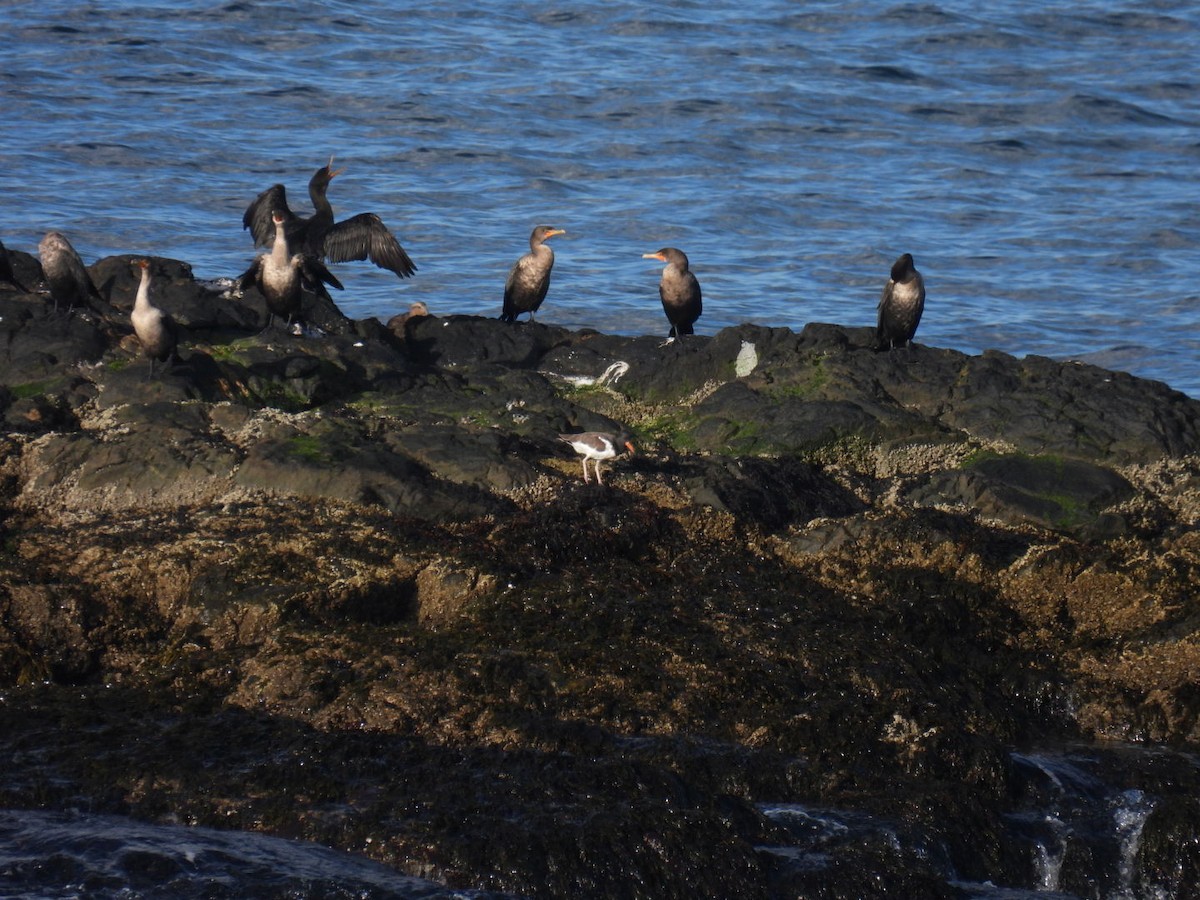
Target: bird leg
(599, 480)
(585, 474)
(167, 367)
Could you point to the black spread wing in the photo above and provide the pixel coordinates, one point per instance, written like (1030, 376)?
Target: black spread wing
(258, 214)
(366, 237)
(314, 275)
(250, 276)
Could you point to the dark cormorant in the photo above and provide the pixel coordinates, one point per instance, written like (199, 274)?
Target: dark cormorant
(7, 276)
(596, 446)
(155, 329)
(679, 291)
(529, 278)
(279, 276)
(65, 273)
(360, 237)
(901, 305)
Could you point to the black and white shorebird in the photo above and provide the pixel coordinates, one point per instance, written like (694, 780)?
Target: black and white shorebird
(65, 272)
(596, 446)
(529, 278)
(155, 329)
(900, 306)
(360, 237)
(679, 291)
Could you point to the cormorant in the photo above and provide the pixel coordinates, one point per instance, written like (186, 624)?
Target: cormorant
(900, 306)
(396, 324)
(679, 291)
(529, 278)
(65, 273)
(360, 237)
(279, 276)
(155, 329)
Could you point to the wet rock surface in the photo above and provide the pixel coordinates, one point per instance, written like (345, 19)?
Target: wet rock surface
(348, 586)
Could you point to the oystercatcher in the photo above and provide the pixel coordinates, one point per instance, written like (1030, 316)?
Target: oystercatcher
(596, 446)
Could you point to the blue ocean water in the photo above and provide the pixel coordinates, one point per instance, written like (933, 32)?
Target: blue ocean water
(1039, 160)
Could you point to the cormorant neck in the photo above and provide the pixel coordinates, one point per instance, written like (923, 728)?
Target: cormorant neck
(142, 301)
(279, 250)
(320, 202)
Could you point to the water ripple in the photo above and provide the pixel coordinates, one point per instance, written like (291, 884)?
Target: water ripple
(1038, 162)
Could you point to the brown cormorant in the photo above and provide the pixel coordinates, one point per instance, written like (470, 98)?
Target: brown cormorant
(529, 278)
(65, 273)
(396, 324)
(900, 306)
(679, 291)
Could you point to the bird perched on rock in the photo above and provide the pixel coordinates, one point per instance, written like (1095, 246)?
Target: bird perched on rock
(596, 446)
(7, 276)
(65, 273)
(155, 329)
(360, 237)
(679, 291)
(529, 278)
(900, 306)
(397, 322)
(280, 274)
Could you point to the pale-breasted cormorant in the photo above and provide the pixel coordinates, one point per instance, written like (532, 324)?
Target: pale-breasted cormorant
(360, 237)
(900, 306)
(529, 278)
(679, 291)
(596, 446)
(155, 329)
(280, 274)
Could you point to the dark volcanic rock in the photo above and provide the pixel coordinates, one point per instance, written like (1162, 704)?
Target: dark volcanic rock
(770, 493)
(348, 586)
(335, 461)
(27, 268)
(458, 341)
(1061, 494)
(36, 346)
(1044, 406)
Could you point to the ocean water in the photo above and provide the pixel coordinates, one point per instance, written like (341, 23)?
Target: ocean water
(81, 856)
(1040, 160)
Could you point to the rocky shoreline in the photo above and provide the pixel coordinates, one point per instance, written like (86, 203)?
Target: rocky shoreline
(351, 588)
